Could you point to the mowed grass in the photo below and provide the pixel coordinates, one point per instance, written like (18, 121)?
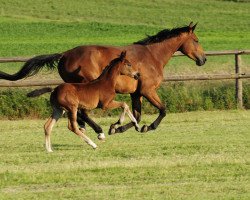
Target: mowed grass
(196, 155)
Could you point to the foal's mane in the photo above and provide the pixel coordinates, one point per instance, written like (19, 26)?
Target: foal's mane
(163, 35)
(112, 64)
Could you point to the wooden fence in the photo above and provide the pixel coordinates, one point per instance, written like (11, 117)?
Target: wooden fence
(238, 75)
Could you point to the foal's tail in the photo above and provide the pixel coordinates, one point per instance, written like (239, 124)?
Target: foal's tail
(38, 92)
(33, 66)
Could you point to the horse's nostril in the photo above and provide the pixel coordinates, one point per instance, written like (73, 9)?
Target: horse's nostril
(137, 76)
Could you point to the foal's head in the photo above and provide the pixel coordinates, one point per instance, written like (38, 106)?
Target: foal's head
(192, 48)
(126, 68)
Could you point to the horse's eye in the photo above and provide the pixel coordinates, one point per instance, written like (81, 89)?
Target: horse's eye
(129, 65)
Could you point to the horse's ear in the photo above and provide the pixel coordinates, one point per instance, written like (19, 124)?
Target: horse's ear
(192, 26)
(123, 55)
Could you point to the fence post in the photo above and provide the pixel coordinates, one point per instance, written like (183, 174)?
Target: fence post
(238, 82)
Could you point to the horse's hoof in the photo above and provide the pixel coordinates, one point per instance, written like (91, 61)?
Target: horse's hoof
(101, 136)
(111, 131)
(144, 129)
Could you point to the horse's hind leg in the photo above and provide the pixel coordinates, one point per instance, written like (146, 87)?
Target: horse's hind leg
(81, 121)
(93, 125)
(72, 115)
(57, 113)
(47, 131)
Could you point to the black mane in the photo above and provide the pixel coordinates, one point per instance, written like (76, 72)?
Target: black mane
(163, 35)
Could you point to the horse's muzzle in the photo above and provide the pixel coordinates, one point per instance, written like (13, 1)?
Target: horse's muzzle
(137, 76)
(201, 61)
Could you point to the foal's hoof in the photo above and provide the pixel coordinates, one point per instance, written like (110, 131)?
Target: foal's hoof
(137, 129)
(101, 136)
(94, 146)
(144, 129)
(83, 130)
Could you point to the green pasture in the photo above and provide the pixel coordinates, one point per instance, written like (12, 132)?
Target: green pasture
(195, 155)
(39, 27)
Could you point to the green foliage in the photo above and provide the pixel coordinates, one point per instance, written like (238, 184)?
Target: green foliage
(246, 95)
(15, 104)
(178, 97)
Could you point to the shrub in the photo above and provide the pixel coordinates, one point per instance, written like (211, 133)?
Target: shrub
(15, 104)
(177, 97)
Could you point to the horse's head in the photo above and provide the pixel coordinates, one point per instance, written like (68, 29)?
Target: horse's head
(127, 69)
(192, 48)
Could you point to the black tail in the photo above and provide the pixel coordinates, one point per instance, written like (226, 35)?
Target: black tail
(38, 92)
(33, 66)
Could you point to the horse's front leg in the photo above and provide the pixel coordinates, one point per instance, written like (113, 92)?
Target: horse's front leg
(154, 99)
(116, 104)
(136, 107)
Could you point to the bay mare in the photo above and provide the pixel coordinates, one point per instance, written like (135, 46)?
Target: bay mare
(148, 56)
(87, 96)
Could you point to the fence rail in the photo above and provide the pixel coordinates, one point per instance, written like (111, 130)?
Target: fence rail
(238, 75)
(208, 53)
(206, 77)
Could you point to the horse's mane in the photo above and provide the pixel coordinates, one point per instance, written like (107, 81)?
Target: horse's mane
(112, 63)
(163, 35)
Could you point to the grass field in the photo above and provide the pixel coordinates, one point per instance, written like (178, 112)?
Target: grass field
(196, 155)
(39, 27)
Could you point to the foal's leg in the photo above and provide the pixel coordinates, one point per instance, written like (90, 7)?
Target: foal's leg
(57, 113)
(72, 115)
(136, 107)
(93, 125)
(115, 104)
(113, 127)
(80, 120)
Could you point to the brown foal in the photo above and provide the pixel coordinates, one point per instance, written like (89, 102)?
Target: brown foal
(98, 93)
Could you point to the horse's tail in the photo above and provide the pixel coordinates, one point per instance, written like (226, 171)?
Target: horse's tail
(33, 66)
(38, 92)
